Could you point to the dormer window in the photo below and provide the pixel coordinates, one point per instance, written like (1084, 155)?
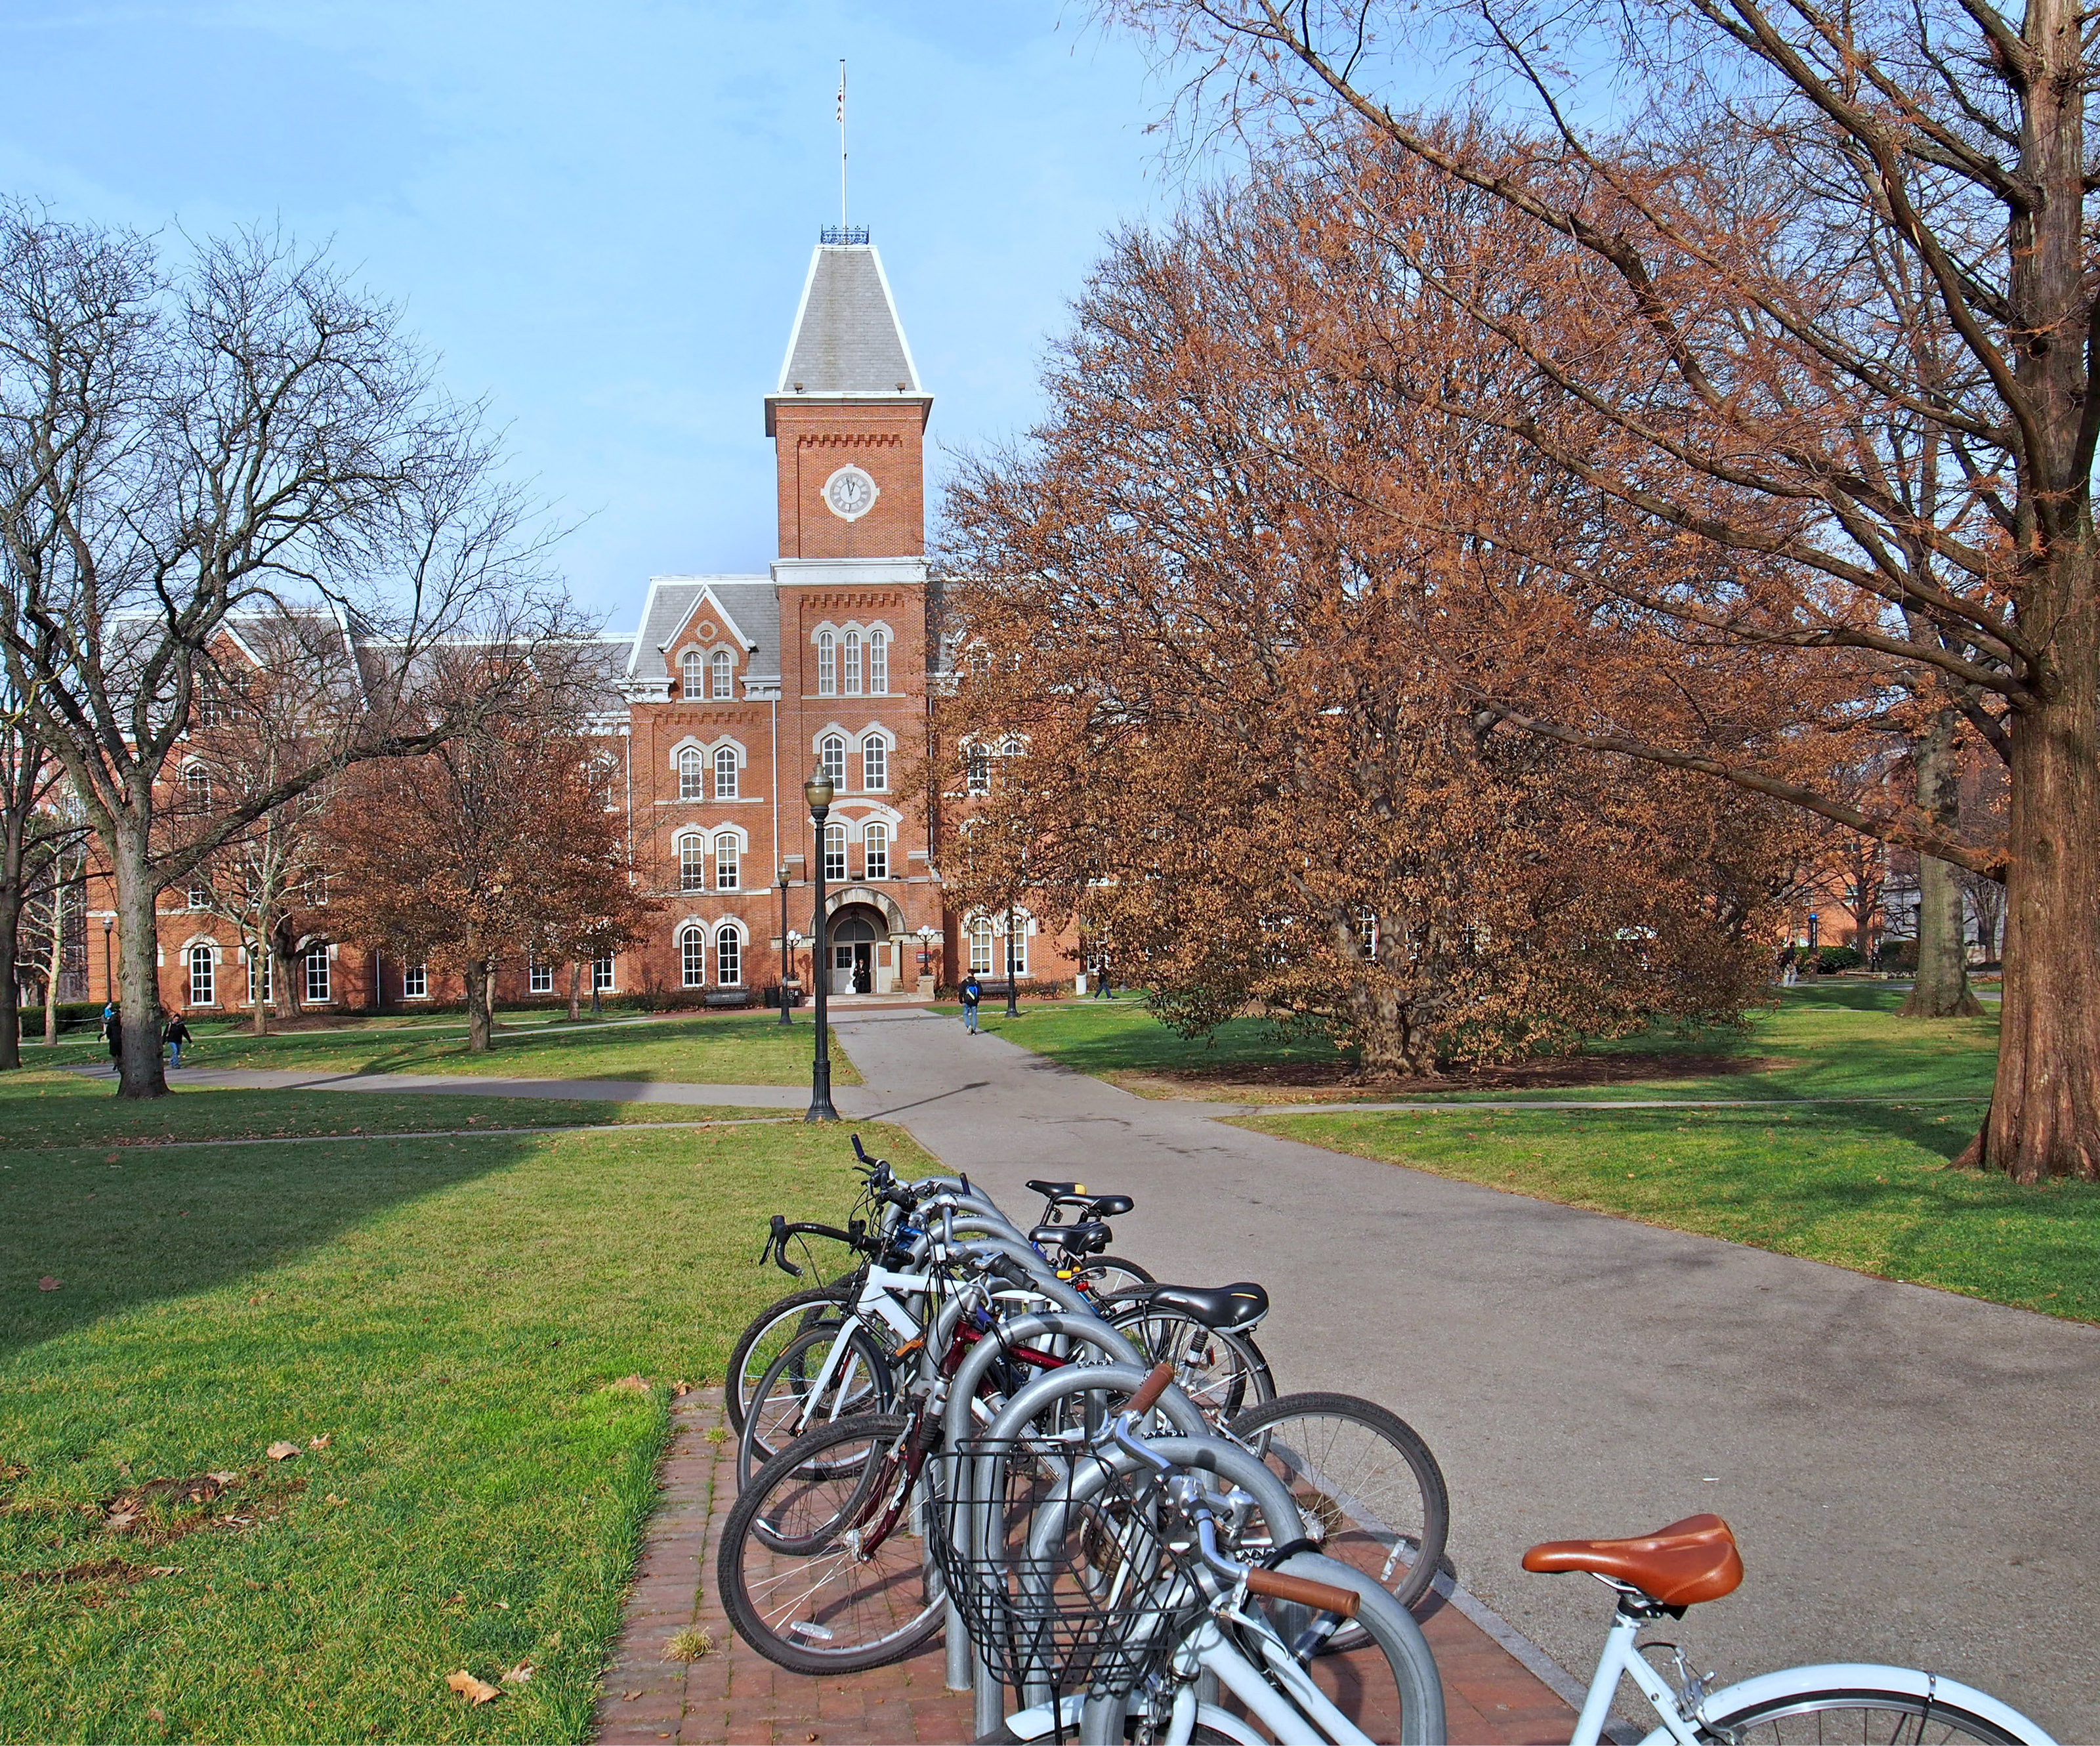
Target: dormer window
(691, 675)
(723, 664)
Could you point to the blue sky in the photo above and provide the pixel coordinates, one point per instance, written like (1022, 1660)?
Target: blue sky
(601, 213)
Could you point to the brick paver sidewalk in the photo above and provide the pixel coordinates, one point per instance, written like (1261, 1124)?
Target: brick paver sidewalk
(733, 1695)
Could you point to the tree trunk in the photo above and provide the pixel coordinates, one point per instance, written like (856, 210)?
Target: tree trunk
(2045, 1114)
(1387, 1044)
(575, 991)
(492, 996)
(258, 1008)
(11, 1020)
(138, 971)
(1941, 989)
(55, 960)
(478, 981)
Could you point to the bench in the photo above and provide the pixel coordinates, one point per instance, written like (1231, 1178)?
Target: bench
(726, 997)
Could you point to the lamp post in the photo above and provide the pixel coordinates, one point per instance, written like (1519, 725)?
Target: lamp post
(925, 943)
(1813, 920)
(785, 1018)
(108, 975)
(1012, 1011)
(818, 792)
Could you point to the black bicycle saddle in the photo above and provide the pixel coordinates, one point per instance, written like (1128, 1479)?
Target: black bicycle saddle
(1240, 1305)
(1088, 1237)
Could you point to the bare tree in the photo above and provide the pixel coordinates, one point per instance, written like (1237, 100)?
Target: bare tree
(241, 436)
(1819, 362)
(32, 838)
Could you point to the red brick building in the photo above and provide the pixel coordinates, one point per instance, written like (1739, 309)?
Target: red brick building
(731, 691)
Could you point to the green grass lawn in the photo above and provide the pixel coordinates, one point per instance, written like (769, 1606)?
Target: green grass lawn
(720, 1050)
(447, 1315)
(1863, 1186)
(1122, 1036)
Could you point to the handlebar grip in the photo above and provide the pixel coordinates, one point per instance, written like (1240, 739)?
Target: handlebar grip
(858, 1152)
(1149, 1391)
(1321, 1596)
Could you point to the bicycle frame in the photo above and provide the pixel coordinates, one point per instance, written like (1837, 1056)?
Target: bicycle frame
(1622, 1656)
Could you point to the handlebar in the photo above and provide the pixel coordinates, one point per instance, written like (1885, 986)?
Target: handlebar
(1157, 1382)
(1321, 1596)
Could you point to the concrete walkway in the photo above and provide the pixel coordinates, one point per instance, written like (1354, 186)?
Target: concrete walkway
(1908, 1472)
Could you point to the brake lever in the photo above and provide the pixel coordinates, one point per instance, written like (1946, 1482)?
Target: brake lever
(776, 1246)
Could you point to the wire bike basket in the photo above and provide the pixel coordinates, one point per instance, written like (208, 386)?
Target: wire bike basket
(1070, 1575)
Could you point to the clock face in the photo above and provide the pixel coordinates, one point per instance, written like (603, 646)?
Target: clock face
(849, 493)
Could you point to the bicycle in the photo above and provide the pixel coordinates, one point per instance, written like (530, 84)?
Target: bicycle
(1660, 1574)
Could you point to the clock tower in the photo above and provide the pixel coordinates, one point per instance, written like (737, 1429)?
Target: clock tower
(847, 419)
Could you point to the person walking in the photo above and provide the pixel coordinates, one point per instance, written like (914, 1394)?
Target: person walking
(177, 1034)
(1104, 989)
(973, 992)
(113, 1031)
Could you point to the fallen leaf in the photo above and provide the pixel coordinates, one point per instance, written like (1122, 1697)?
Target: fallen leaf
(474, 1691)
(631, 1385)
(518, 1674)
(157, 1718)
(505, 1605)
(679, 1390)
(47, 1284)
(110, 1159)
(320, 1442)
(282, 1452)
(555, 1641)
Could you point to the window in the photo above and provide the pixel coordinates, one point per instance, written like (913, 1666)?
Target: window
(415, 982)
(835, 851)
(317, 976)
(976, 770)
(852, 687)
(980, 947)
(693, 955)
(729, 956)
(725, 773)
(602, 973)
(206, 698)
(200, 897)
(317, 890)
(878, 663)
(690, 674)
(539, 978)
(692, 774)
(725, 863)
(203, 984)
(831, 755)
(874, 841)
(693, 862)
(827, 664)
(1367, 931)
(722, 664)
(196, 788)
(1016, 943)
(875, 764)
(269, 986)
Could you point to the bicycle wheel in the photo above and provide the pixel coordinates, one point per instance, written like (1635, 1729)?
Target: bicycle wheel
(1224, 1373)
(769, 1334)
(1104, 1276)
(1838, 1716)
(795, 1574)
(787, 1403)
(1370, 1493)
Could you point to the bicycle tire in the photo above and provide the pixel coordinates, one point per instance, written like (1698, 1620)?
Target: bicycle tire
(784, 1394)
(1107, 1275)
(1893, 1718)
(781, 1573)
(797, 1308)
(1222, 1371)
(1391, 1477)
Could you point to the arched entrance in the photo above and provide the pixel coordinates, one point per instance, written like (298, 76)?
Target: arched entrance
(858, 933)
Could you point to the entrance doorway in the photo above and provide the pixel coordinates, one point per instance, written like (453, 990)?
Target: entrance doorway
(855, 947)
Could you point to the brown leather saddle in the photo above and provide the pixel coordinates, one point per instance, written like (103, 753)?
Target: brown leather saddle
(1678, 1566)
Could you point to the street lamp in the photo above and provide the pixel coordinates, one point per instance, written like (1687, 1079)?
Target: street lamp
(1012, 1011)
(785, 1018)
(108, 976)
(818, 792)
(926, 943)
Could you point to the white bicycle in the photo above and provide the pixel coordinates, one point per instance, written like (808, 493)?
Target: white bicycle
(1840, 1704)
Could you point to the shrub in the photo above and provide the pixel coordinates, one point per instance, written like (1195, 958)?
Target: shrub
(1832, 958)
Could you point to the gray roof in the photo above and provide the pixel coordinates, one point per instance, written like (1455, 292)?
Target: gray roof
(751, 601)
(847, 337)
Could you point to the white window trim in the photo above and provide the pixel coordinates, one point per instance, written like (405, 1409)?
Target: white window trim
(729, 924)
(689, 931)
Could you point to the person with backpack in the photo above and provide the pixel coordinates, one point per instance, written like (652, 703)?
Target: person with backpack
(113, 1031)
(973, 992)
(176, 1035)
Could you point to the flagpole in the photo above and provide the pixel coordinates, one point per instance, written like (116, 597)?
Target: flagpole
(842, 143)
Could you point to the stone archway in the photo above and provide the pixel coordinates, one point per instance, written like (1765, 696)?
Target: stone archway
(885, 940)
(862, 961)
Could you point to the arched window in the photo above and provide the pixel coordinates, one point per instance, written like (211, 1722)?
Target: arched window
(875, 764)
(725, 863)
(976, 770)
(835, 851)
(691, 676)
(980, 937)
(196, 788)
(725, 772)
(827, 664)
(203, 979)
(831, 755)
(729, 956)
(692, 774)
(878, 663)
(693, 955)
(722, 665)
(693, 862)
(1017, 942)
(852, 664)
(875, 851)
(269, 992)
